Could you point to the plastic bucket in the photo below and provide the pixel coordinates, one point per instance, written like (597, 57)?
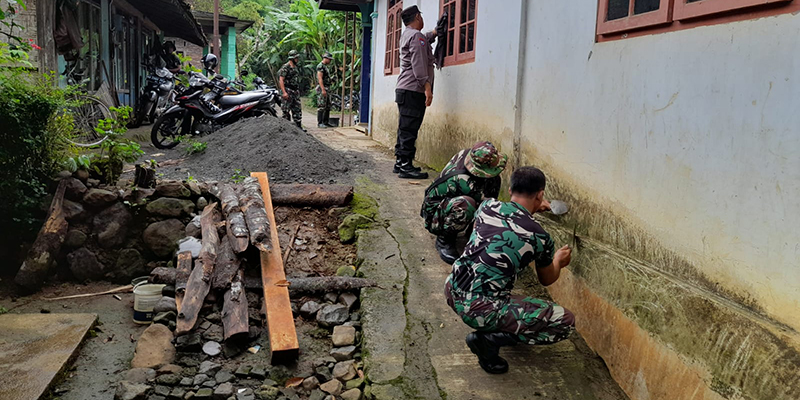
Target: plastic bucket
(145, 297)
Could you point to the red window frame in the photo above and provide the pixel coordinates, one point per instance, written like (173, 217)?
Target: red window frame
(394, 27)
(673, 15)
(660, 16)
(459, 11)
(686, 10)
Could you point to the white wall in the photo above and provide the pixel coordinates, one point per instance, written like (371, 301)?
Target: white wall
(692, 135)
(695, 134)
(471, 101)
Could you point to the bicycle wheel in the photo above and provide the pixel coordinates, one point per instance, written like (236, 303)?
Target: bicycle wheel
(86, 112)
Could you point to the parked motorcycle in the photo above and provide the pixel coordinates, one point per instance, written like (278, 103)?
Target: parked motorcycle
(157, 95)
(198, 110)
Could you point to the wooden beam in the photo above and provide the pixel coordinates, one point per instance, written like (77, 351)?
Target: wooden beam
(280, 322)
(234, 309)
(182, 272)
(307, 195)
(200, 279)
(38, 265)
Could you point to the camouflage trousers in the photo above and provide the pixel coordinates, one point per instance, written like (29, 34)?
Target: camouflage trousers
(533, 321)
(291, 107)
(323, 101)
(450, 216)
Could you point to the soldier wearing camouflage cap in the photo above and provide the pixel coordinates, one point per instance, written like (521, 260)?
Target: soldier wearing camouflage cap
(289, 83)
(323, 95)
(505, 240)
(451, 200)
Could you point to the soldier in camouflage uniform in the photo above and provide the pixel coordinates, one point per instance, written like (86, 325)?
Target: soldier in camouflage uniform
(505, 240)
(451, 200)
(289, 83)
(323, 94)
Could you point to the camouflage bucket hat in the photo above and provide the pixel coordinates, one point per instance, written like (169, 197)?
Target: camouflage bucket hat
(294, 54)
(327, 55)
(484, 161)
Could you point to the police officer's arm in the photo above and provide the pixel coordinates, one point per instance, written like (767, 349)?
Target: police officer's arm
(549, 274)
(321, 85)
(419, 64)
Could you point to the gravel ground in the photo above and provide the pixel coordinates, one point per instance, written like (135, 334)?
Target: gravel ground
(269, 144)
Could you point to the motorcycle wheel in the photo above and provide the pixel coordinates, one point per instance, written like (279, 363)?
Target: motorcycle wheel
(167, 130)
(271, 111)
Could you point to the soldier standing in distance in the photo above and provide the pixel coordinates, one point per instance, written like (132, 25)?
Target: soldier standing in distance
(414, 91)
(323, 96)
(505, 240)
(451, 200)
(289, 83)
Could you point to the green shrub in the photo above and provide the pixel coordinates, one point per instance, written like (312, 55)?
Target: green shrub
(34, 146)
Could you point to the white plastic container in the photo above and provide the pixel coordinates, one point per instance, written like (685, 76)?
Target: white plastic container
(145, 297)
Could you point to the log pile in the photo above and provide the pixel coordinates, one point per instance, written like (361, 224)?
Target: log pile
(243, 218)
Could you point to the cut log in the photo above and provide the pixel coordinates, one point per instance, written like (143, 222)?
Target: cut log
(200, 279)
(253, 201)
(234, 309)
(305, 195)
(182, 272)
(238, 234)
(280, 321)
(226, 268)
(229, 200)
(297, 286)
(38, 264)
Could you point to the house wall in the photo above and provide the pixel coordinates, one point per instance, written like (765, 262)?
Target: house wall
(677, 153)
(27, 19)
(471, 102)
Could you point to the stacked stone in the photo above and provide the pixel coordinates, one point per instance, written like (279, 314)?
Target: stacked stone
(118, 234)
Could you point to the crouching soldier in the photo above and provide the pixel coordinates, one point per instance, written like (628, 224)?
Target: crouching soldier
(451, 200)
(505, 240)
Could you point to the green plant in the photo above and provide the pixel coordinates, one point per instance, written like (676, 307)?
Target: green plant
(3, 310)
(237, 176)
(190, 178)
(107, 158)
(195, 147)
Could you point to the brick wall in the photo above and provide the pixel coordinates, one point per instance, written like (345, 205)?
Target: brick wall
(26, 18)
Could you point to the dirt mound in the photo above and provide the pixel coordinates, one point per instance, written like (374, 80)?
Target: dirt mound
(269, 144)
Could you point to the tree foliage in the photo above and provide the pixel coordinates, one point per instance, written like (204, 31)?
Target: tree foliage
(283, 25)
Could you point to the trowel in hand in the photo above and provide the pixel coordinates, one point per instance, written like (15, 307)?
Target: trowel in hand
(558, 207)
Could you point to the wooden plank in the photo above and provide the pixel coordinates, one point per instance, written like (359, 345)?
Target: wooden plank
(226, 268)
(200, 279)
(280, 322)
(252, 203)
(234, 310)
(182, 272)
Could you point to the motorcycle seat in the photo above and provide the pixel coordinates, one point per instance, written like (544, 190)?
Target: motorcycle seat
(236, 99)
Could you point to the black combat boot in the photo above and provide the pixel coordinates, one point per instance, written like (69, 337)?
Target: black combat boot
(486, 345)
(446, 246)
(409, 171)
(321, 119)
(399, 162)
(328, 119)
(299, 125)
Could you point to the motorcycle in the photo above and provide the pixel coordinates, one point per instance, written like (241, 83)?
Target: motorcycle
(157, 95)
(198, 110)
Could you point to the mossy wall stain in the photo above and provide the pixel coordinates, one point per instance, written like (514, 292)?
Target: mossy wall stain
(721, 338)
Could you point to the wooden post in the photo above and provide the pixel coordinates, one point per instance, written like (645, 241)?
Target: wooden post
(182, 272)
(234, 309)
(344, 62)
(352, 65)
(217, 43)
(280, 322)
(45, 25)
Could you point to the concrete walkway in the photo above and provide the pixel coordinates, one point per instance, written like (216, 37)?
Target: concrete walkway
(35, 348)
(414, 344)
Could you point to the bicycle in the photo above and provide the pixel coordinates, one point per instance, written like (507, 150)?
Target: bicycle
(85, 109)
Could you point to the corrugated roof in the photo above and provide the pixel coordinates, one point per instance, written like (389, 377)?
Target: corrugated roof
(174, 17)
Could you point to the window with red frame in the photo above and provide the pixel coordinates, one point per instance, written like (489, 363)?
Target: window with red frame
(460, 30)
(618, 17)
(394, 27)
